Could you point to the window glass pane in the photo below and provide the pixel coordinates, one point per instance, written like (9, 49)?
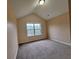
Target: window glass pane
(30, 32)
(37, 26)
(33, 29)
(38, 32)
(30, 26)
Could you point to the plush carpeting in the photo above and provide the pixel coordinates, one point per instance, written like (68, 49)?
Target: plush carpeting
(44, 49)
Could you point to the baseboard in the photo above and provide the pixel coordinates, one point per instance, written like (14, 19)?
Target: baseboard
(32, 41)
(69, 44)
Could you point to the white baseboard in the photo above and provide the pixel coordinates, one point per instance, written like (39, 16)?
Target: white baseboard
(69, 44)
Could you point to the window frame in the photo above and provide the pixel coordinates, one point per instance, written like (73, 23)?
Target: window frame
(34, 29)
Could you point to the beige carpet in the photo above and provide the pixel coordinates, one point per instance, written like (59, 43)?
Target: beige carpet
(44, 49)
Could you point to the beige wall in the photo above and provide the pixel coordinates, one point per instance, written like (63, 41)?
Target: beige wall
(22, 33)
(12, 44)
(10, 12)
(59, 28)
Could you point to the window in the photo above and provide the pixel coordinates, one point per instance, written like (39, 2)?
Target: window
(33, 29)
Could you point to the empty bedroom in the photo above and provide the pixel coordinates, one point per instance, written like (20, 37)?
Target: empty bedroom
(38, 29)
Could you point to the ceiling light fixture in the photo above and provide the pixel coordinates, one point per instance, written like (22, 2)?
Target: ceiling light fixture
(42, 2)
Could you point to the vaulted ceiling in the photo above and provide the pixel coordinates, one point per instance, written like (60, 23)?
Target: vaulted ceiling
(50, 9)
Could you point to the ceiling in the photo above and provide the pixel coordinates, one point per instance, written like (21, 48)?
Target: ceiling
(50, 9)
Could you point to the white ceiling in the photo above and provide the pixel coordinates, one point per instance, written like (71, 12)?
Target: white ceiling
(50, 9)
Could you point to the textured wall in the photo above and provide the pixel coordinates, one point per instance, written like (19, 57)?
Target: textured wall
(59, 28)
(22, 33)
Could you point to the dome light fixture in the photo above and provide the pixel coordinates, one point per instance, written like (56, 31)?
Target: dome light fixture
(41, 2)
